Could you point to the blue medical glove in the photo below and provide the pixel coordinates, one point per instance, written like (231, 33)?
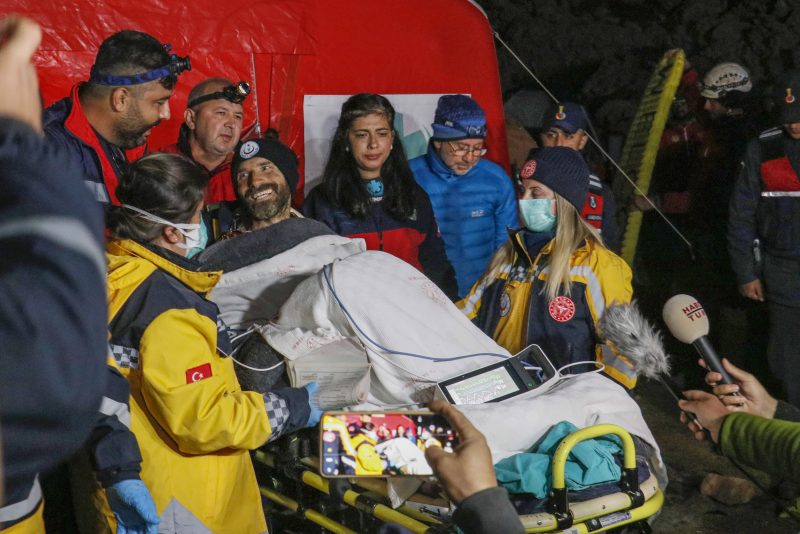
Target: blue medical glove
(315, 412)
(133, 507)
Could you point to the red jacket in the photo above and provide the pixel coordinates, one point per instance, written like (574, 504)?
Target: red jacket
(220, 187)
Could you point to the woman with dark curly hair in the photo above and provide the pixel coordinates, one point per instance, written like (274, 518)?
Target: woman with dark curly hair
(368, 191)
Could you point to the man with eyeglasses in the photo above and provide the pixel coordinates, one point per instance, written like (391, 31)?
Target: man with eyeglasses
(105, 121)
(473, 199)
(565, 125)
(212, 126)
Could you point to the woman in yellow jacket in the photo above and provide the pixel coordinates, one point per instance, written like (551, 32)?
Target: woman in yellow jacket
(553, 279)
(194, 424)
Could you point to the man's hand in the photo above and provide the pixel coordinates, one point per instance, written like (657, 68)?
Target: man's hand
(469, 468)
(19, 87)
(709, 411)
(753, 290)
(753, 398)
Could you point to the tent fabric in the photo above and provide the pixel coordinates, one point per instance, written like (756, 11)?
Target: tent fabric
(289, 49)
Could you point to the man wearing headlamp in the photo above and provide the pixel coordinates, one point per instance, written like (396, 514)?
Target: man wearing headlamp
(211, 129)
(105, 122)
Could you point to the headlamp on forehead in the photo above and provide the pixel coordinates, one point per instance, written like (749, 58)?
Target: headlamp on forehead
(175, 66)
(235, 93)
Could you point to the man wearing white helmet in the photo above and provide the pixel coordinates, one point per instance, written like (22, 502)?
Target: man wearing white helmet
(730, 103)
(725, 88)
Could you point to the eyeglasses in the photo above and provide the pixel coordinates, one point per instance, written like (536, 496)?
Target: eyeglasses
(462, 151)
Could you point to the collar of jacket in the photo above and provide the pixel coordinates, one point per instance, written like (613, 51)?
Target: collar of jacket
(78, 125)
(440, 169)
(186, 149)
(199, 281)
(519, 244)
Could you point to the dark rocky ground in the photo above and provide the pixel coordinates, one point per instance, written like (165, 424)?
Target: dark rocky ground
(688, 461)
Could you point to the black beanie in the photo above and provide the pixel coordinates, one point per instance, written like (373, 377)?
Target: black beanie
(279, 154)
(561, 169)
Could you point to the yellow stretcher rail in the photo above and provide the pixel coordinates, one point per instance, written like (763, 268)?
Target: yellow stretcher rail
(633, 503)
(351, 497)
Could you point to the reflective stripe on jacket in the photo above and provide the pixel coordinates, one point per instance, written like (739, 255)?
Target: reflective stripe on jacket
(194, 425)
(512, 309)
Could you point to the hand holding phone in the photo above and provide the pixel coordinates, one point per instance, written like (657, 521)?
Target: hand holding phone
(468, 469)
(382, 444)
(19, 86)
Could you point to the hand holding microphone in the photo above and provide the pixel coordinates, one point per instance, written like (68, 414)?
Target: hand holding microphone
(688, 322)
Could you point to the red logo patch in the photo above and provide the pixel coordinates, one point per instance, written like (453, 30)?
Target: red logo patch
(528, 169)
(196, 374)
(562, 309)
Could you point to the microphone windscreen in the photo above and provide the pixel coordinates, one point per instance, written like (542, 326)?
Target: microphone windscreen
(624, 326)
(685, 318)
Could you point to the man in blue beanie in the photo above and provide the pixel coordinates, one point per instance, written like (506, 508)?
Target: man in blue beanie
(473, 199)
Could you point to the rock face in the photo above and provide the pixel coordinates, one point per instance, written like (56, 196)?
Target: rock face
(602, 53)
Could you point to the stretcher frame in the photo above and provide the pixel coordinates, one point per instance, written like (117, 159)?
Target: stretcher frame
(314, 495)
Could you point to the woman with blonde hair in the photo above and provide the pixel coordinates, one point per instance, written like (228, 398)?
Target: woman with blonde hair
(553, 279)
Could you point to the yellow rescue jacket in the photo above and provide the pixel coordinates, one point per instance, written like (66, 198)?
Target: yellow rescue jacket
(194, 425)
(512, 309)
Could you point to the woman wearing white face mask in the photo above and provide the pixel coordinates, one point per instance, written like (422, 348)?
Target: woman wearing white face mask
(194, 424)
(551, 282)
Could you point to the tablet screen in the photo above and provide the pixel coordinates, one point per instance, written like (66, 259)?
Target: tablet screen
(484, 387)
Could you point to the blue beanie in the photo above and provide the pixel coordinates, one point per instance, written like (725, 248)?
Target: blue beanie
(561, 169)
(458, 117)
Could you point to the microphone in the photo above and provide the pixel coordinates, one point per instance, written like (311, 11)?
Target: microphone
(624, 327)
(688, 322)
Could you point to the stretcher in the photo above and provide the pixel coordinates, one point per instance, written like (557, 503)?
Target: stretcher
(298, 499)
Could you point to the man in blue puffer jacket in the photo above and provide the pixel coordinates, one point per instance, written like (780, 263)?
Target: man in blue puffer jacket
(473, 199)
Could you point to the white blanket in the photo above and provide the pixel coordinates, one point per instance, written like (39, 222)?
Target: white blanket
(254, 294)
(392, 305)
(513, 425)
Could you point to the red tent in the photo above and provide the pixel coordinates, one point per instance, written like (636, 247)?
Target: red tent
(287, 49)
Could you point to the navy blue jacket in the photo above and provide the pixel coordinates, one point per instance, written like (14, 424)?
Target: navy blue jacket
(771, 166)
(53, 316)
(416, 241)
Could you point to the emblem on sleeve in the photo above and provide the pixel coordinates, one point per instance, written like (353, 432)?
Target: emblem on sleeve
(505, 304)
(196, 374)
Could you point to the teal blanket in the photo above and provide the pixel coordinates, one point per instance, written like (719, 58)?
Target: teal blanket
(590, 462)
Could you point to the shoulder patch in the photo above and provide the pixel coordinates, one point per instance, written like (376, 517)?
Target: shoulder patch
(196, 374)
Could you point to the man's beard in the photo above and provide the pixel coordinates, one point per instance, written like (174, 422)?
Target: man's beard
(267, 209)
(130, 130)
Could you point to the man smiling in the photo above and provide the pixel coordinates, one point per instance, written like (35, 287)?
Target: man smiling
(264, 176)
(105, 122)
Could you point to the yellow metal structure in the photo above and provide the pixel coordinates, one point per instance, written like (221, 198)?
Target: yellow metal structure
(644, 137)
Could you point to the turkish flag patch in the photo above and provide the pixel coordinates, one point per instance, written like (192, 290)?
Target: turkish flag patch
(196, 374)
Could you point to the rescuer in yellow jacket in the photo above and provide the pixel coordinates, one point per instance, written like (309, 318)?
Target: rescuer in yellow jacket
(194, 425)
(553, 279)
